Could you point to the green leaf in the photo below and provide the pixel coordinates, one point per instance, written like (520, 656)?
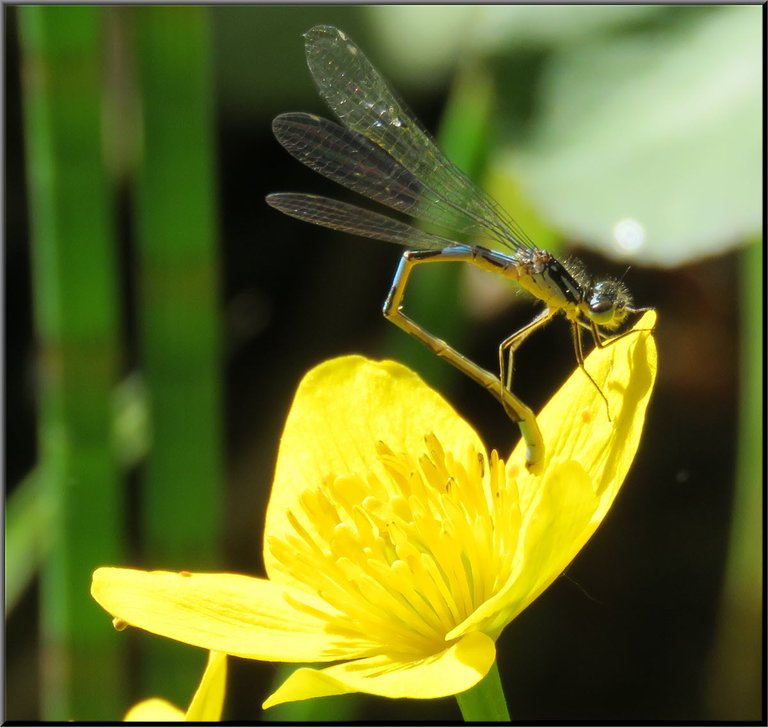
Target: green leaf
(663, 128)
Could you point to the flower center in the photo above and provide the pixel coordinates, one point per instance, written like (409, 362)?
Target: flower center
(406, 556)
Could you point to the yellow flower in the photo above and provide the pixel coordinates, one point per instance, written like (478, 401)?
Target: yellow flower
(395, 546)
(206, 705)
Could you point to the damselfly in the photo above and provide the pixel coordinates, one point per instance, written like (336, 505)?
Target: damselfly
(382, 152)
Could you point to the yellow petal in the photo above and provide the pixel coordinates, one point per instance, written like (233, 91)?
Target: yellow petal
(588, 457)
(208, 702)
(154, 710)
(235, 614)
(576, 423)
(595, 451)
(342, 408)
(453, 670)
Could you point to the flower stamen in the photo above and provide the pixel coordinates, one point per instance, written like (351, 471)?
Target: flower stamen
(406, 555)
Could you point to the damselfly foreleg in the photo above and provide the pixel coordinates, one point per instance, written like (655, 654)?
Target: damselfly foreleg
(579, 351)
(516, 409)
(601, 341)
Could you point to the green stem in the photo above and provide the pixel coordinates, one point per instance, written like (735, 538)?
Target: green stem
(736, 678)
(178, 314)
(485, 701)
(74, 273)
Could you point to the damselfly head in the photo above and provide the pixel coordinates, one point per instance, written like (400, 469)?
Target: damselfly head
(607, 303)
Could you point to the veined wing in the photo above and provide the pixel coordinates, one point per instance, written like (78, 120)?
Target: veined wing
(363, 101)
(356, 220)
(352, 160)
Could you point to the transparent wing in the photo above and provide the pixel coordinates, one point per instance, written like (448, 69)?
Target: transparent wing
(339, 215)
(364, 103)
(352, 160)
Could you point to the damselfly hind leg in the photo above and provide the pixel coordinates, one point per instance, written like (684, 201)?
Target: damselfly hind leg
(579, 351)
(516, 409)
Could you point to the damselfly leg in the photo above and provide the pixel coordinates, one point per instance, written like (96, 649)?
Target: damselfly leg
(601, 340)
(510, 344)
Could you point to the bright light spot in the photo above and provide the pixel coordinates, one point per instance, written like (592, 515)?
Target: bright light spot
(629, 234)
